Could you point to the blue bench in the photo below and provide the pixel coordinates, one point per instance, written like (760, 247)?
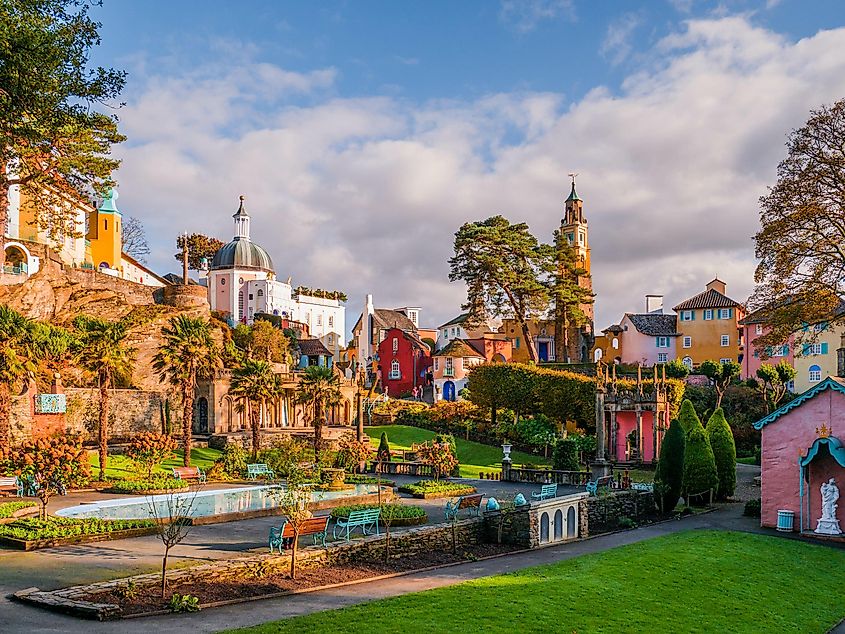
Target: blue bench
(365, 519)
(471, 502)
(642, 486)
(317, 527)
(254, 471)
(604, 482)
(546, 492)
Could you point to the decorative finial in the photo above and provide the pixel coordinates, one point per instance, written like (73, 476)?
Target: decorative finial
(572, 175)
(242, 197)
(823, 431)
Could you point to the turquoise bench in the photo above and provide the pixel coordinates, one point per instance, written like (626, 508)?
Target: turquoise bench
(546, 492)
(471, 502)
(604, 482)
(642, 486)
(189, 473)
(254, 471)
(317, 527)
(365, 519)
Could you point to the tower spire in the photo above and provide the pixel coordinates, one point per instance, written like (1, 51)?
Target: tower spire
(241, 220)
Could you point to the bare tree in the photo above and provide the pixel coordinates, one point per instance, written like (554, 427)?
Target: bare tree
(135, 239)
(171, 513)
(293, 498)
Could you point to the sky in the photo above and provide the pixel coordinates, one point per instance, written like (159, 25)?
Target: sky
(363, 134)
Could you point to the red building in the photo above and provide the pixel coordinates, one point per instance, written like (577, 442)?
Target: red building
(403, 360)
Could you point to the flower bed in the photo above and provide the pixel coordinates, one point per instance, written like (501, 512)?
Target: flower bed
(427, 489)
(32, 533)
(12, 509)
(396, 514)
(148, 487)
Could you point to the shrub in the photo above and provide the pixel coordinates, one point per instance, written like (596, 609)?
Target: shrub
(700, 476)
(149, 449)
(669, 476)
(233, 460)
(724, 452)
(437, 454)
(449, 439)
(626, 523)
(753, 508)
(565, 455)
(285, 455)
(687, 417)
(383, 453)
(56, 527)
(436, 486)
(389, 511)
(7, 509)
(184, 603)
(160, 483)
(351, 452)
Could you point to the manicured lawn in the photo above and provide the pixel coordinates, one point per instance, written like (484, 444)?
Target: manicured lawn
(474, 457)
(749, 460)
(120, 467)
(694, 581)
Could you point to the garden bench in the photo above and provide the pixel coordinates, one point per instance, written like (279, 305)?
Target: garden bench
(189, 473)
(642, 486)
(604, 481)
(471, 502)
(253, 471)
(12, 484)
(317, 527)
(546, 491)
(364, 519)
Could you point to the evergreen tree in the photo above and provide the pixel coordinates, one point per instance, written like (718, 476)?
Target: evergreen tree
(724, 451)
(700, 476)
(687, 417)
(669, 477)
(565, 455)
(383, 453)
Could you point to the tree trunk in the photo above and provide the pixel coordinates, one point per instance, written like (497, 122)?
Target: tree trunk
(5, 407)
(44, 499)
(187, 419)
(318, 430)
(164, 572)
(493, 413)
(293, 554)
(105, 384)
(4, 215)
(529, 341)
(254, 416)
(359, 433)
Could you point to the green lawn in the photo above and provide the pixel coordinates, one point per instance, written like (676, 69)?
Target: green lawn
(120, 467)
(474, 457)
(748, 460)
(694, 581)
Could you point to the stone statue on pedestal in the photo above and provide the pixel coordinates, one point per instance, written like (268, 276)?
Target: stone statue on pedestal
(828, 524)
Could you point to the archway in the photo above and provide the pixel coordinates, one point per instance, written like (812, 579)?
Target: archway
(17, 259)
(202, 415)
(544, 528)
(558, 534)
(570, 522)
(449, 391)
(597, 354)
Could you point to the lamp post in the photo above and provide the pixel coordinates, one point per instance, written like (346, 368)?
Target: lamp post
(506, 461)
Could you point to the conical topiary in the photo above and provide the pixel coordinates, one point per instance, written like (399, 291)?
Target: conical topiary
(724, 452)
(687, 417)
(669, 476)
(700, 476)
(383, 452)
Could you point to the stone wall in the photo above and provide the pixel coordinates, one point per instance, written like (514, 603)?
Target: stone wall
(134, 293)
(604, 511)
(539, 523)
(183, 296)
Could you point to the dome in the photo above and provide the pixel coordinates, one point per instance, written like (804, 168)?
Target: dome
(242, 253)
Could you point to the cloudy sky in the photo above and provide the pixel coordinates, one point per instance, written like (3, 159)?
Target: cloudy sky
(365, 133)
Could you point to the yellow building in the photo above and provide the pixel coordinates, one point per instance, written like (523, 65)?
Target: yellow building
(816, 358)
(542, 333)
(104, 237)
(708, 326)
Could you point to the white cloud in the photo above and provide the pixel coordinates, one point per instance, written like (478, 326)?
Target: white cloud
(525, 15)
(616, 46)
(365, 194)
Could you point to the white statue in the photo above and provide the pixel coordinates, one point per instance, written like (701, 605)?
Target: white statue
(828, 524)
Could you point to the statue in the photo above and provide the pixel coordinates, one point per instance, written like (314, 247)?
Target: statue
(828, 524)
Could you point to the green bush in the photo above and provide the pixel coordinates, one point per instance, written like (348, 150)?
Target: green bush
(153, 484)
(7, 509)
(700, 474)
(383, 452)
(626, 523)
(284, 455)
(565, 455)
(753, 508)
(389, 511)
(687, 417)
(436, 486)
(184, 603)
(233, 460)
(669, 476)
(724, 453)
(55, 527)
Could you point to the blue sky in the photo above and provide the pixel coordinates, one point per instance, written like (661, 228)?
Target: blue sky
(365, 133)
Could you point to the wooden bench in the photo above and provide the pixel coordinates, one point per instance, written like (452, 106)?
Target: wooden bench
(12, 484)
(471, 502)
(603, 482)
(253, 471)
(189, 473)
(364, 519)
(317, 527)
(546, 492)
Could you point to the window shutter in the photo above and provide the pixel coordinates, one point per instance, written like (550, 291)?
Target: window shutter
(692, 315)
(824, 348)
(768, 351)
(805, 349)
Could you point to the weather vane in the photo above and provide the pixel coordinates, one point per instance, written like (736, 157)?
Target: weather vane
(572, 175)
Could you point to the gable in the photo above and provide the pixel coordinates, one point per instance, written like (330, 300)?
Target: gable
(830, 383)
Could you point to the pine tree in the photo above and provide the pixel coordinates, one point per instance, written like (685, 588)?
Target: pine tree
(700, 476)
(669, 477)
(687, 417)
(724, 451)
(383, 453)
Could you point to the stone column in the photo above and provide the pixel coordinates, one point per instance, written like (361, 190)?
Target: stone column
(600, 447)
(640, 443)
(613, 432)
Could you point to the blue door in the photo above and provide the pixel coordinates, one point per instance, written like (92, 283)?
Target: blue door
(543, 350)
(448, 391)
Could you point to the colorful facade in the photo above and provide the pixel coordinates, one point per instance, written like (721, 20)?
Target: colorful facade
(542, 333)
(451, 369)
(754, 326)
(815, 354)
(639, 338)
(403, 361)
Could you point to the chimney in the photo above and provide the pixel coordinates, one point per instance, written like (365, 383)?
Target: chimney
(654, 304)
(365, 344)
(840, 358)
(717, 285)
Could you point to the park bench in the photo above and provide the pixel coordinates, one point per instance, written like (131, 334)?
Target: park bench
(471, 502)
(365, 519)
(254, 471)
(546, 491)
(642, 486)
(12, 484)
(604, 482)
(189, 473)
(317, 527)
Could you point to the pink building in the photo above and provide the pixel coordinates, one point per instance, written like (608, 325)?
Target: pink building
(648, 338)
(451, 368)
(752, 327)
(802, 449)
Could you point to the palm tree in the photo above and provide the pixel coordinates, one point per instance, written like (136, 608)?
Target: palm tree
(188, 353)
(17, 360)
(319, 389)
(255, 383)
(102, 349)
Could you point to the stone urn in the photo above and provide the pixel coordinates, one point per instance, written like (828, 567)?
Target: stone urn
(333, 479)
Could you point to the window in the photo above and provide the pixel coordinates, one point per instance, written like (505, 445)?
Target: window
(687, 342)
(331, 340)
(687, 362)
(819, 327)
(331, 321)
(723, 361)
(663, 342)
(662, 357)
(449, 370)
(708, 314)
(395, 345)
(815, 374)
(436, 363)
(260, 293)
(815, 348)
(516, 343)
(758, 329)
(726, 341)
(453, 332)
(725, 313)
(319, 319)
(687, 315)
(241, 303)
(395, 373)
(445, 333)
(615, 343)
(250, 297)
(570, 237)
(106, 225)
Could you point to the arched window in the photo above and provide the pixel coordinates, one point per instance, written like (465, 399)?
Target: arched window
(815, 374)
(558, 532)
(597, 354)
(395, 372)
(615, 343)
(260, 293)
(570, 522)
(687, 362)
(544, 528)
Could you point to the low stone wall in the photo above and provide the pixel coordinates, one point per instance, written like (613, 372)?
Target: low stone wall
(605, 511)
(182, 296)
(133, 292)
(539, 523)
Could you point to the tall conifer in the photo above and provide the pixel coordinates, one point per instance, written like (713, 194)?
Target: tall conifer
(724, 451)
(669, 477)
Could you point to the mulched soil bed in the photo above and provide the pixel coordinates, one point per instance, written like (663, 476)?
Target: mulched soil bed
(148, 598)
